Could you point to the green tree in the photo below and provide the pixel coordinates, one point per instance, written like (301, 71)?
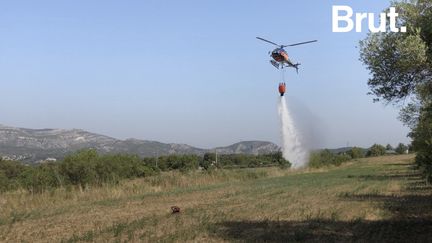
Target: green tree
(356, 153)
(79, 168)
(4, 182)
(422, 142)
(401, 67)
(12, 170)
(401, 148)
(40, 178)
(208, 160)
(376, 150)
(389, 147)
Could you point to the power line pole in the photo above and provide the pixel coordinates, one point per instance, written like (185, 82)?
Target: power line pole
(216, 156)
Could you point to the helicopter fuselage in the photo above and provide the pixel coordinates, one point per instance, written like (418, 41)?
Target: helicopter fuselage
(280, 55)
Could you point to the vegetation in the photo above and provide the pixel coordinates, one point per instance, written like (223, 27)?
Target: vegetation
(244, 161)
(422, 143)
(376, 150)
(326, 157)
(401, 148)
(389, 147)
(356, 153)
(88, 168)
(378, 199)
(401, 68)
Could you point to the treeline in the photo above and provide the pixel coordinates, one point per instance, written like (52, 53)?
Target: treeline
(88, 168)
(84, 168)
(326, 157)
(211, 160)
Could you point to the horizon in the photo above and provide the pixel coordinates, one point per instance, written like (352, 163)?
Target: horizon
(198, 147)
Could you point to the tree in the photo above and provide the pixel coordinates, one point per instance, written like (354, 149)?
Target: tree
(401, 148)
(356, 153)
(400, 65)
(79, 168)
(400, 62)
(39, 178)
(376, 150)
(422, 142)
(208, 160)
(389, 147)
(4, 182)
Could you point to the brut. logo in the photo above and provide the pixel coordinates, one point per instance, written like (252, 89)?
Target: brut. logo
(339, 19)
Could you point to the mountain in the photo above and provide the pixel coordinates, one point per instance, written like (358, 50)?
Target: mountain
(249, 147)
(32, 145)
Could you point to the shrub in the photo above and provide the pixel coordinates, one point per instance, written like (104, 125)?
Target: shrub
(376, 150)
(40, 178)
(356, 153)
(4, 182)
(87, 167)
(401, 148)
(326, 157)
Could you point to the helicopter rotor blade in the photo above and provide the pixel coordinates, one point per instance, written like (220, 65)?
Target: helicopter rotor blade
(259, 38)
(301, 43)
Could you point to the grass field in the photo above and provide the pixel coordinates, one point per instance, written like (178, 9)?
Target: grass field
(381, 199)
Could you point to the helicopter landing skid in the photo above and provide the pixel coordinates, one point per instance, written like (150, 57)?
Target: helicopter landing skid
(275, 64)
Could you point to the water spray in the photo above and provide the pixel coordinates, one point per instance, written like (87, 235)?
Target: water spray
(292, 147)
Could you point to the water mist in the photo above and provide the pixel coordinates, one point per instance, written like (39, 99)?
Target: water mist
(292, 148)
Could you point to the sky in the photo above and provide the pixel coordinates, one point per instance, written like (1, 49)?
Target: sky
(188, 71)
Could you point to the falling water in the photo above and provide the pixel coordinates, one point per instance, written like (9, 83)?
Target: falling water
(292, 148)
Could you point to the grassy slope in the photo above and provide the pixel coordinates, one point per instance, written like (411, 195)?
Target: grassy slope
(378, 199)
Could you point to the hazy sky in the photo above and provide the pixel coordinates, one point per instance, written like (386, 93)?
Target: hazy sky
(187, 71)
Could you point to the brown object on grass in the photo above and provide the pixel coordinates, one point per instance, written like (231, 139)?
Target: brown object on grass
(175, 209)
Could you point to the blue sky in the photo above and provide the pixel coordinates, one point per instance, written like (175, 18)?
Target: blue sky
(187, 71)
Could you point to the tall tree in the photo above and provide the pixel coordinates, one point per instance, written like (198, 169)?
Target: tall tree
(400, 65)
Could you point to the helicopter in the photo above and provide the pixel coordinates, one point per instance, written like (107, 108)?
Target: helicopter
(280, 56)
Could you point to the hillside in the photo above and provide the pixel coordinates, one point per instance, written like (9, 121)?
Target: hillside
(31, 145)
(382, 199)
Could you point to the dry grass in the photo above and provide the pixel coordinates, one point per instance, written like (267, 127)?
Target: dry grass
(378, 197)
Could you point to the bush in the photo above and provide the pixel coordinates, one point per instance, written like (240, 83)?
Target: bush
(40, 178)
(356, 153)
(244, 160)
(376, 150)
(179, 162)
(79, 168)
(401, 148)
(4, 182)
(326, 157)
(11, 170)
(87, 167)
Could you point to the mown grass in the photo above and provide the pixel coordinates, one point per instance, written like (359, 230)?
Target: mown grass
(375, 199)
